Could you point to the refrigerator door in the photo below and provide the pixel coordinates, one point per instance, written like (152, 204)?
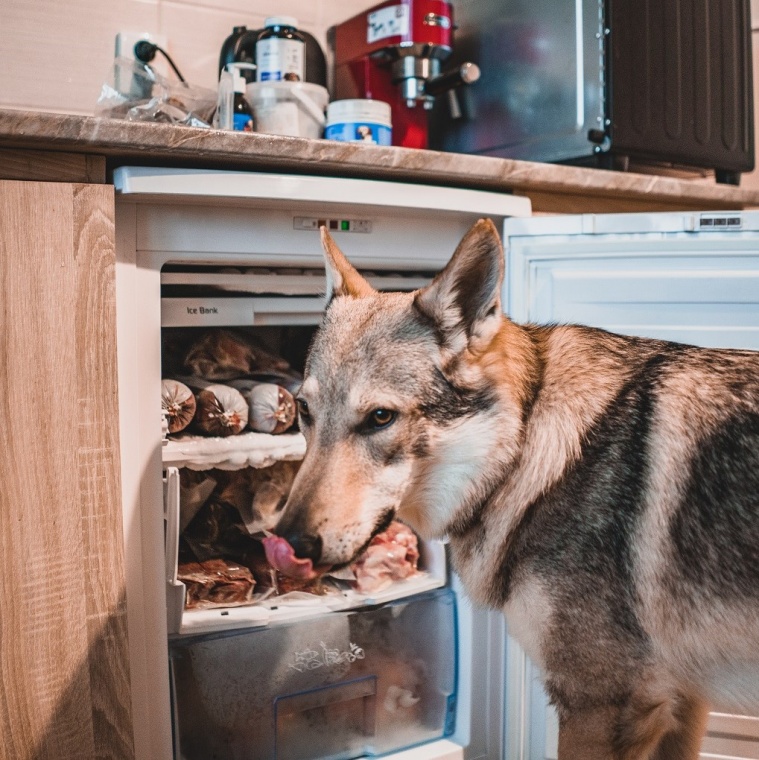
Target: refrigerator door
(687, 277)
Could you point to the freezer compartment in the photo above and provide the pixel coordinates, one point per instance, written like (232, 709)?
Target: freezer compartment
(216, 535)
(224, 491)
(338, 686)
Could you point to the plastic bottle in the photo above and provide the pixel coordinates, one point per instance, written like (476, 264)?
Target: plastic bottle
(242, 116)
(280, 51)
(224, 101)
(233, 110)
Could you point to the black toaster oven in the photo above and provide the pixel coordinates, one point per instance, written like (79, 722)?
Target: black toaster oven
(602, 82)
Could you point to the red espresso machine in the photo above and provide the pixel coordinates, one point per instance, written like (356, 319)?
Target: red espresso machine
(394, 52)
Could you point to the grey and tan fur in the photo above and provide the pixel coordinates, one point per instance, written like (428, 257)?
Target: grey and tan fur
(603, 491)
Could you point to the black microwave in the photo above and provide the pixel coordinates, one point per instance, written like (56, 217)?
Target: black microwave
(603, 82)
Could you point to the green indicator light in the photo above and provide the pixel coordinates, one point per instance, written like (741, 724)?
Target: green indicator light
(345, 226)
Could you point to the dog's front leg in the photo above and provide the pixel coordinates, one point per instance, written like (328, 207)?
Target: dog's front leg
(588, 734)
(644, 728)
(684, 743)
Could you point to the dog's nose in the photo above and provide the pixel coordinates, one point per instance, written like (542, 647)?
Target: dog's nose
(306, 546)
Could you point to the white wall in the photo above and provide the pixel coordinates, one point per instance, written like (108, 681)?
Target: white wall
(56, 54)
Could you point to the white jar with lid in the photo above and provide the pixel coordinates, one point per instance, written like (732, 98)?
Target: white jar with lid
(280, 51)
(359, 120)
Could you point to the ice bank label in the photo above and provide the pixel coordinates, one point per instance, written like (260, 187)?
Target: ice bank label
(202, 310)
(208, 312)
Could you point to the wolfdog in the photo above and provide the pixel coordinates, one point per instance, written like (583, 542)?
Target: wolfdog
(601, 490)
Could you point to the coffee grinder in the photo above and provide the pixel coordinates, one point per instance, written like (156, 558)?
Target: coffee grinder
(394, 52)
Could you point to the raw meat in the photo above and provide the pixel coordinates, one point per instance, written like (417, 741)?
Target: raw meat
(391, 556)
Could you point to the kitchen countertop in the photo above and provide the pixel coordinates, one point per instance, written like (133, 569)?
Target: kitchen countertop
(551, 187)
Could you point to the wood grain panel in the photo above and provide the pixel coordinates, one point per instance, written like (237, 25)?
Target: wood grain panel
(64, 689)
(98, 467)
(581, 203)
(50, 166)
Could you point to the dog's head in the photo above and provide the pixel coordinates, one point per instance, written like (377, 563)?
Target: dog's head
(400, 404)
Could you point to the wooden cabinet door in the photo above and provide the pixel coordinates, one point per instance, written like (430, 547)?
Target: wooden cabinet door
(64, 668)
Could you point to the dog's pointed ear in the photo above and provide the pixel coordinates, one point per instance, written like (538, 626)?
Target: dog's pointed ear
(464, 300)
(342, 278)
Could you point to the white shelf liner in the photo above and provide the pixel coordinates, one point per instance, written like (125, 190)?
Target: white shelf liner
(233, 453)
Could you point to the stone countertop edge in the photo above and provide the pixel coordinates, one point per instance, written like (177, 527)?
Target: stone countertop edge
(142, 142)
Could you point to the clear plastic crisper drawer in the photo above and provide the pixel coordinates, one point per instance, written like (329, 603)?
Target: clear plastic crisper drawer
(339, 686)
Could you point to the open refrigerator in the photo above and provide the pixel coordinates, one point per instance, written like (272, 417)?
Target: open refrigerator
(405, 668)
(411, 672)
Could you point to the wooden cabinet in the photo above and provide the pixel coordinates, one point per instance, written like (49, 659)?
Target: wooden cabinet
(64, 667)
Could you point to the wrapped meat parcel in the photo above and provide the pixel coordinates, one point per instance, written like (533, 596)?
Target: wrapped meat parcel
(216, 583)
(178, 403)
(272, 407)
(225, 355)
(221, 411)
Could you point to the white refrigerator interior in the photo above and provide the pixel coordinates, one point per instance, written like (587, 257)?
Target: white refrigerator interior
(686, 277)
(411, 670)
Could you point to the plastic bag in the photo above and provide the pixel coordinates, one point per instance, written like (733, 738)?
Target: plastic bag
(136, 92)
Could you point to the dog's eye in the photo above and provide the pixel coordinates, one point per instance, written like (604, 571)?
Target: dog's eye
(303, 409)
(380, 418)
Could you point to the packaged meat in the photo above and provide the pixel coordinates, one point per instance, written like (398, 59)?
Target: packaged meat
(195, 488)
(258, 494)
(272, 407)
(178, 403)
(216, 583)
(225, 355)
(217, 531)
(222, 411)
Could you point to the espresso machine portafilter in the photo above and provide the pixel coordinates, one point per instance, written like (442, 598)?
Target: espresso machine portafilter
(395, 52)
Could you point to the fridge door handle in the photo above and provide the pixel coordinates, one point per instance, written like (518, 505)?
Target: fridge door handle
(171, 516)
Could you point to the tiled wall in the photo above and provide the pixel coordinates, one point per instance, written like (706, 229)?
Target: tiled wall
(56, 53)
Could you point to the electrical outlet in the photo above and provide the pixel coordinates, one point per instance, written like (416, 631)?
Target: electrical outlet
(125, 42)
(124, 48)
